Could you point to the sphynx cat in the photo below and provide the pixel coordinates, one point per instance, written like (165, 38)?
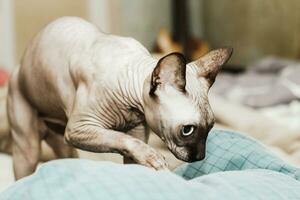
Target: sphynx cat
(79, 87)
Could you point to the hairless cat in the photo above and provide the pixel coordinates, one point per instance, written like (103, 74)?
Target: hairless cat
(79, 87)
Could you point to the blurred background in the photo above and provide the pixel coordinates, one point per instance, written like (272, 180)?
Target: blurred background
(258, 91)
(254, 28)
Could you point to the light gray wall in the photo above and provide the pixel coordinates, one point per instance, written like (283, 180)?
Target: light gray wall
(196, 18)
(143, 19)
(7, 36)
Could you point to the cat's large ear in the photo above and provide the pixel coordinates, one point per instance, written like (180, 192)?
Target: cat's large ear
(210, 64)
(170, 70)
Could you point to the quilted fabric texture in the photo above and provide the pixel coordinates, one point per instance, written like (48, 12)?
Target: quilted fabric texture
(236, 167)
(228, 151)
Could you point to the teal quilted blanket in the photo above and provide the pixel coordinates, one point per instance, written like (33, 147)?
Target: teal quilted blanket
(235, 167)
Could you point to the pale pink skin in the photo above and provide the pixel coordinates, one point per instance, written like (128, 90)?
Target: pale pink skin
(90, 89)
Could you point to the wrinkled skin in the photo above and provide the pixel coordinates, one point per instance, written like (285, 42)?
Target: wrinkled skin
(101, 93)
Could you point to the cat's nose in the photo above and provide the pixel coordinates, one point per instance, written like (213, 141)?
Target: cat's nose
(198, 152)
(200, 156)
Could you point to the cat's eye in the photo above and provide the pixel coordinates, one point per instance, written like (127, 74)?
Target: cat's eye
(187, 130)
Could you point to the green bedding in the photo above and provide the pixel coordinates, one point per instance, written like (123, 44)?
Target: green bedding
(235, 167)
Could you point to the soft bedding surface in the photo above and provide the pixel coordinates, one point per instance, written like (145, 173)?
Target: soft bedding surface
(236, 167)
(230, 151)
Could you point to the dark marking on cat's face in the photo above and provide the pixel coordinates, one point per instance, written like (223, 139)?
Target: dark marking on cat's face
(176, 102)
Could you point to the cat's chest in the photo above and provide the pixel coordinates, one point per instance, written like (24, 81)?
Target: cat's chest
(131, 118)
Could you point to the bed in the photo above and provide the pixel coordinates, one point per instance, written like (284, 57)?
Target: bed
(235, 167)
